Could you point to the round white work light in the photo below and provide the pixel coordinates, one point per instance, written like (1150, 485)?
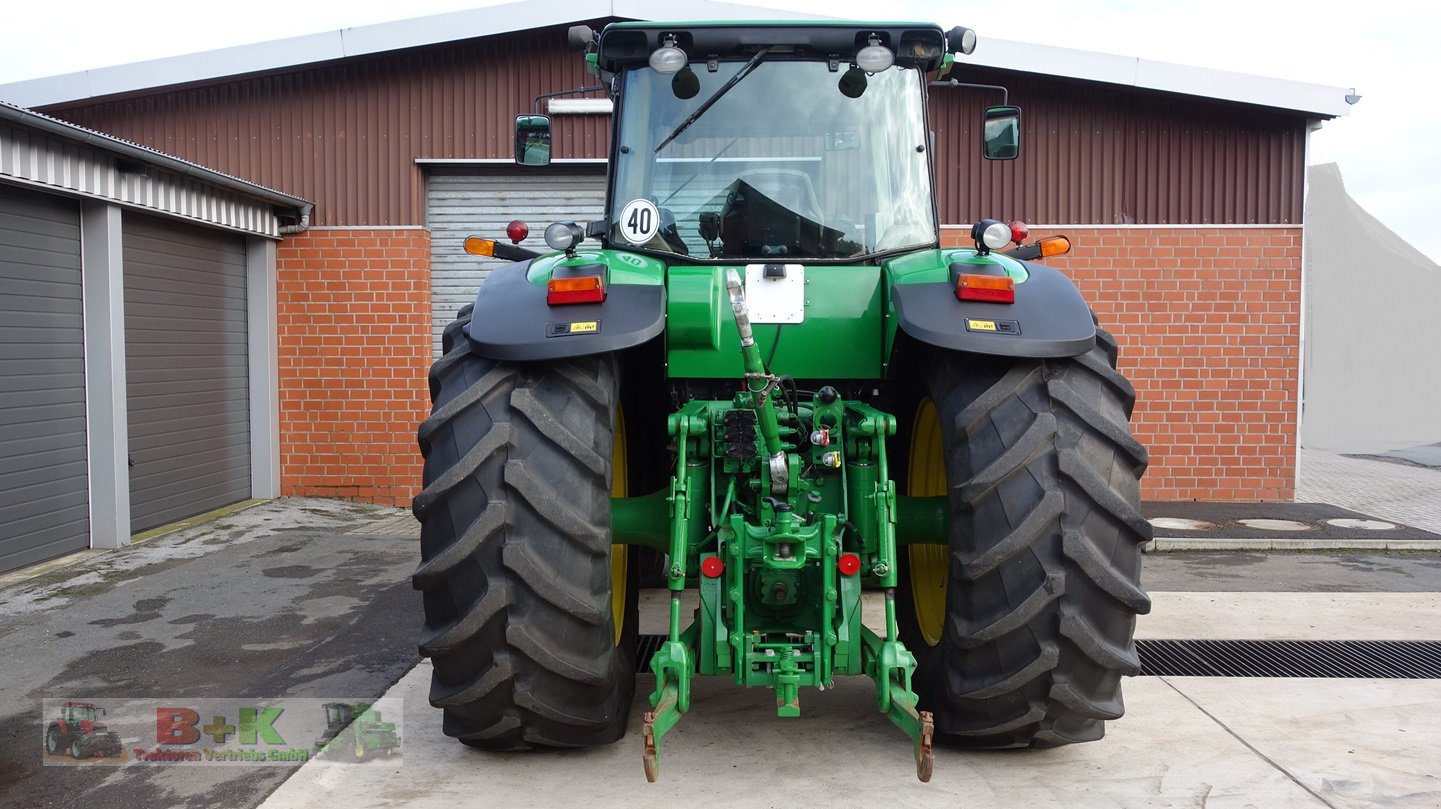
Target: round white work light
(996, 235)
(563, 235)
(667, 59)
(874, 57)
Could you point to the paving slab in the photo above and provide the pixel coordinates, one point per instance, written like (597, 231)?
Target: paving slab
(1292, 616)
(1276, 521)
(1353, 743)
(1214, 742)
(1167, 752)
(1406, 494)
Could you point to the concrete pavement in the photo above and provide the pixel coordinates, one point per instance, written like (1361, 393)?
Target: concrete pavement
(1185, 741)
(300, 598)
(297, 598)
(1391, 491)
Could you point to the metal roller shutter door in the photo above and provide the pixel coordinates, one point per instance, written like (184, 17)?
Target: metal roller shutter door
(482, 203)
(187, 387)
(44, 478)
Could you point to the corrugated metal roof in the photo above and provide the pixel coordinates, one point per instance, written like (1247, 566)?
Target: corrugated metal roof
(145, 154)
(350, 134)
(347, 133)
(1318, 100)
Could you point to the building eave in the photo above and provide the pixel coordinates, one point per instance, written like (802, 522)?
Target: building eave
(296, 52)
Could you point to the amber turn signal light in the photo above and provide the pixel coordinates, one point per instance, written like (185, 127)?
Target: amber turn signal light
(477, 246)
(989, 288)
(1054, 246)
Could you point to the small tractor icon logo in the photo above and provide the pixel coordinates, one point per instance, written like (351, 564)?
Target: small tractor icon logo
(78, 731)
(356, 728)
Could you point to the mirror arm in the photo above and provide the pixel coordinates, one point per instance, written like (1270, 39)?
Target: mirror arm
(535, 102)
(1005, 94)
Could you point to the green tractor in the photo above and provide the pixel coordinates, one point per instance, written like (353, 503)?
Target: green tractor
(762, 369)
(355, 728)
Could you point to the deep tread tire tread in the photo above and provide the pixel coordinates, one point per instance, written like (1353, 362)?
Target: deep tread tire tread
(515, 543)
(1045, 549)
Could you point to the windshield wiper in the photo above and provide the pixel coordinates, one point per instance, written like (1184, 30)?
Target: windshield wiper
(724, 88)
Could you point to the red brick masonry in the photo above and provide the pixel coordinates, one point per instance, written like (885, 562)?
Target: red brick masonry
(354, 344)
(1208, 321)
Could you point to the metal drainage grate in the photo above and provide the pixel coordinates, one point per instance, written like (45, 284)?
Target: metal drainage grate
(1377, 659)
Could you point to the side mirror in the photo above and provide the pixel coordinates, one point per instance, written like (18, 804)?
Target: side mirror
(710, 224)
(1002, 128)
(532, 140)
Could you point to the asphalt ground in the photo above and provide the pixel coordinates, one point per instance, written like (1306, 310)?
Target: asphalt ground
(282, 600)
(306, 598)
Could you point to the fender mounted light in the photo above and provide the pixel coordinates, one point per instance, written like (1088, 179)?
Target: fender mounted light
(988, 288)
(576, 289)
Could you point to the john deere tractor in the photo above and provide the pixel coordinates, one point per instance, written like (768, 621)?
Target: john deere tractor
(761, 368)
(356, 728)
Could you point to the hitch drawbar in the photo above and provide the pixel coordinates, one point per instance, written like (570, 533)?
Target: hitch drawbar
(780, 512)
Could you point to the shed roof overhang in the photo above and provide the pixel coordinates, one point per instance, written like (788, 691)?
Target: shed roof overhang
(1314, 100)
(140, 176)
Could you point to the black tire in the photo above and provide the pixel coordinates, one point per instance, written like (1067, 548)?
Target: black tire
(54, 742)
(77, 750)
(515, 552)
(1044, 550)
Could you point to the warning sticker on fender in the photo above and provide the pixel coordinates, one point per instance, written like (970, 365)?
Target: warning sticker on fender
(563, 329)
(993, 326)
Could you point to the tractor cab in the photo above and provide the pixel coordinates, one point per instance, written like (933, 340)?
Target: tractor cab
(79, 714)
(777, 143)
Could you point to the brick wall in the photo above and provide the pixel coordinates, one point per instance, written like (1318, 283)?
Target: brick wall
(1208, 321)
(354, 346)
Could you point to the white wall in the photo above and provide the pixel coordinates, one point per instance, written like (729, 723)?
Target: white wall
(1373, 329)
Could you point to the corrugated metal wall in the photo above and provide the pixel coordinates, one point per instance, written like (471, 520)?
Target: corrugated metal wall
(462, 202)
(1094, 154)
(347, 134)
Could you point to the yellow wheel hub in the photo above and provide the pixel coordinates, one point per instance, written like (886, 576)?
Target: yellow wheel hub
(619, 554)
(929, 564)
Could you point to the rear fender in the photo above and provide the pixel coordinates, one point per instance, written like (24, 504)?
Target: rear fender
(1048, 319)
(512, 321)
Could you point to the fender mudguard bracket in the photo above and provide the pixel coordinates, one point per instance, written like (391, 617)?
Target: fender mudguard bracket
(512, 321)
(1048, 319)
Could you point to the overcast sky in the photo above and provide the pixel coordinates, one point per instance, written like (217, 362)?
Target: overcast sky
(1387, 147)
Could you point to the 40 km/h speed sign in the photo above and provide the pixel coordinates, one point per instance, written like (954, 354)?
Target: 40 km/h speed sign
(639, 221)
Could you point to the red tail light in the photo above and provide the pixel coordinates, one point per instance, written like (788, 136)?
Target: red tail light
(516, 231)
(579, 289)
(989, 288)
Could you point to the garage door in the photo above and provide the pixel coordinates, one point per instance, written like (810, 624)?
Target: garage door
(44, 491)
(187, 384)
(481, 203)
